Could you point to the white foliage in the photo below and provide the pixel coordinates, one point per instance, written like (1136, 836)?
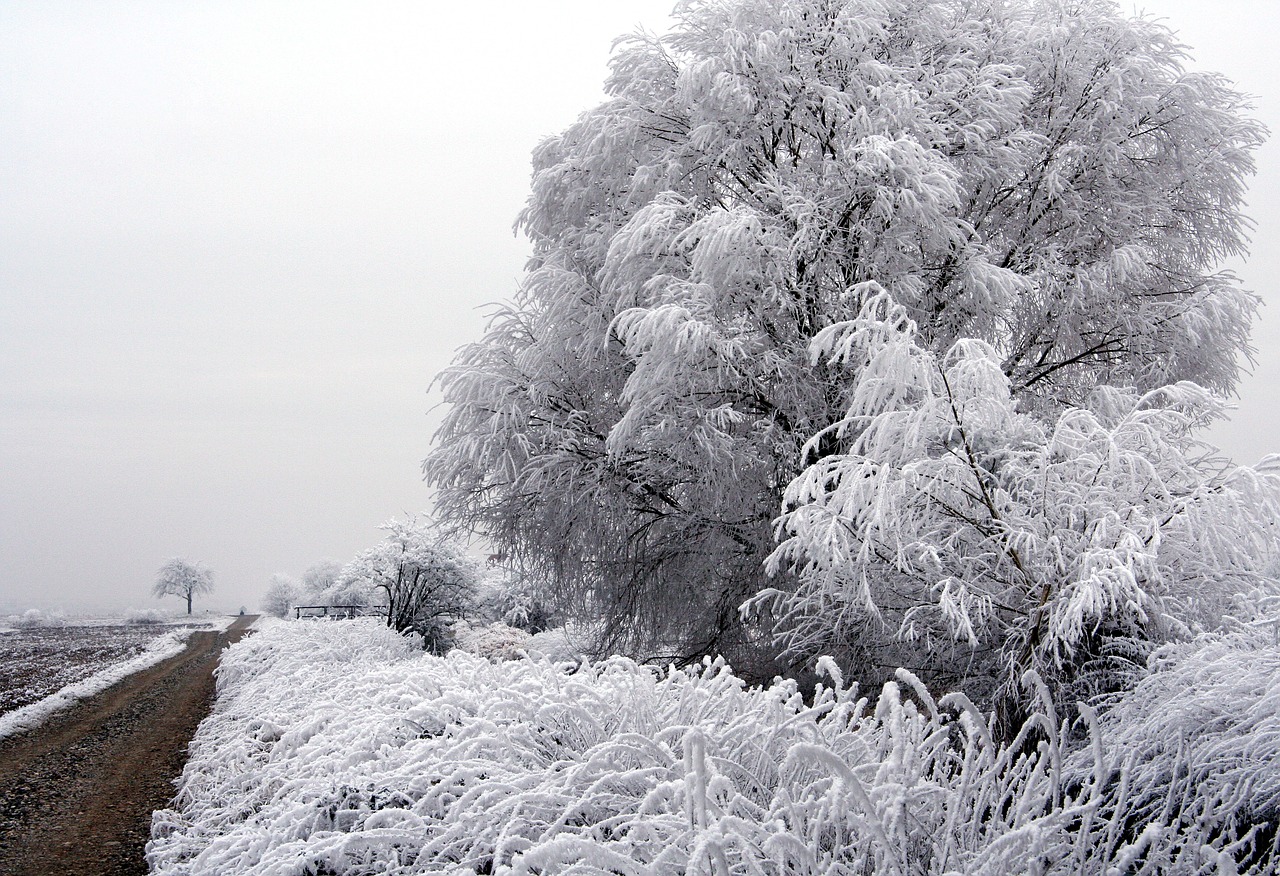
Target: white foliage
(322, 576)
(184, 578)
(34, 617)
(281, 595)
(427, 581)
(513, 598)
(1045, 177)
(147, 616)
(496, 641)
(559, 645)
(337, 748)
(998, 539)
(1193, 750)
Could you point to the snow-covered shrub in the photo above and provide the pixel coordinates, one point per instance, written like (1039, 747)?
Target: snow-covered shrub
(336, 748)
(146, 616)
(351, 586)
(515, 599)
(1193, 754)
(944, 527)
(320, 577)
(281, 595)
(497, 641)
(351, 590)
(425, 579)
(559, 644)
(34, 617)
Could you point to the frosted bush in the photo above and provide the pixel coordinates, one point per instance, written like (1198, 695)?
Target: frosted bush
(558, 644)
(428, 580)
(34, 617)
(948, 528)
(339, 748)
(496, 641)
(146, 616)
(516, 599)
(1193, 748)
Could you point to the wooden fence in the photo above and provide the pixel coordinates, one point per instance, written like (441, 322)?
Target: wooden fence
(339, 611)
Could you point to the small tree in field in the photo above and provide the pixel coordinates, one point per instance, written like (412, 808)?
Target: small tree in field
(428, 581)
(179, 577)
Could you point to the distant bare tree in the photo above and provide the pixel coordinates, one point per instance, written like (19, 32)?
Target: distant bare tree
(179, 577)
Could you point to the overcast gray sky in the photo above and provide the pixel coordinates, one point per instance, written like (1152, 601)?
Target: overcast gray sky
(237, 241)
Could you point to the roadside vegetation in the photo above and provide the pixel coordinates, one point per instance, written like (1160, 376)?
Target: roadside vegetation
(339, 747)
(848, 420)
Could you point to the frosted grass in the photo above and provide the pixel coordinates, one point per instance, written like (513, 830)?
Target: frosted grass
(338, 748)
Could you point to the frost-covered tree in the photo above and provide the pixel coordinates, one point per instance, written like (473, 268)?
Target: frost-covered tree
(179, 577)
(322, 576)
(972, 541)
(428, 580)
(1041, 176)
(281, 595)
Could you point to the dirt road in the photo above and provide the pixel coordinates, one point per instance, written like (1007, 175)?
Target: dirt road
(76, 795)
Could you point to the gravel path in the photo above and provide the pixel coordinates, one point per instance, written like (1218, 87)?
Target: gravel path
(76, 794)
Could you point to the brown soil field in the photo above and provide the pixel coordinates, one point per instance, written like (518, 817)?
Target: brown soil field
(39, 661)
(77, 793)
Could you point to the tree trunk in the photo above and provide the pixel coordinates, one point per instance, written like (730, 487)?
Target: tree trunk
(188, 602)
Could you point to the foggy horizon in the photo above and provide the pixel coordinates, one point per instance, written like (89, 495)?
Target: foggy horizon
(240, 241)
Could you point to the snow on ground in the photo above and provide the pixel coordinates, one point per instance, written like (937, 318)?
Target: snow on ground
(220, 622)
(35, 618)
(338, 748)
(163, 646)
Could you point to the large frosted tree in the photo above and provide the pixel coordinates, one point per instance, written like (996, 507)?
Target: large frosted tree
(1040, 176)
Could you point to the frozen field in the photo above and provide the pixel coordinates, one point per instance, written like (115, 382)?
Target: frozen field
(39, 661)
(48, 666)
